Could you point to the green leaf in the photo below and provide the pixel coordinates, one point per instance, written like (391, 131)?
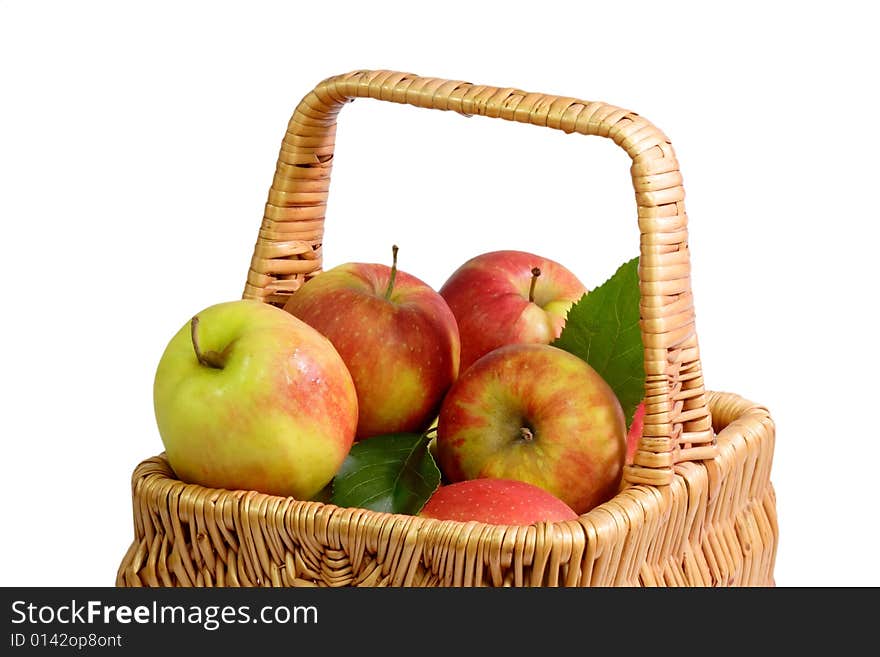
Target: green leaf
(394, 473)
(602, 328)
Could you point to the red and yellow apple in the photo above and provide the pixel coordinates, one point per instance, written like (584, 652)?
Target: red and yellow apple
(634, 434)
(537, 414)
(496, 502)
(397, 337)
(246, 396)
(509, 297)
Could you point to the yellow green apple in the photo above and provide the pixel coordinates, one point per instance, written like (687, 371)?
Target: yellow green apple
(246, 396)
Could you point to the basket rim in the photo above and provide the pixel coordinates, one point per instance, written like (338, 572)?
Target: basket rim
(728, 409)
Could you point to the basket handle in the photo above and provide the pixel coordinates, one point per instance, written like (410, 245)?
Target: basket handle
(678, 425)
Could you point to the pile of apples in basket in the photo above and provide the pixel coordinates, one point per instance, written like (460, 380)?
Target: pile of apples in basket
(512, 395)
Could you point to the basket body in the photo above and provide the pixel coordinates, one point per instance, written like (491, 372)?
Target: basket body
(713, 525)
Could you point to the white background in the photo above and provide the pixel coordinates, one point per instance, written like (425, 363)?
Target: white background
(138, 142)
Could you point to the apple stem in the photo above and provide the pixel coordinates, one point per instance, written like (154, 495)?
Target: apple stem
(526, 434)
(393, 272)
(535, 273)
(207, 358)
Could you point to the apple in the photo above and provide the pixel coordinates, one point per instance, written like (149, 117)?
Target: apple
(538, 414)
(634, 435)
(397, 337)
(496, 502)
(509, 297)
(246, 396)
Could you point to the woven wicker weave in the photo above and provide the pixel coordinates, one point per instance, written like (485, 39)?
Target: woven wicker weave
(697, 506)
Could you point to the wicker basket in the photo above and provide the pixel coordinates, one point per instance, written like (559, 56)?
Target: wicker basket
(696, 508)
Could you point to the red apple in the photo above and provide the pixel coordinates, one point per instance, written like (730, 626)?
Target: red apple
(537, 414)
(634, 435)
(248, 397)
(397, 337)
(508, 297)
(496, 502)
